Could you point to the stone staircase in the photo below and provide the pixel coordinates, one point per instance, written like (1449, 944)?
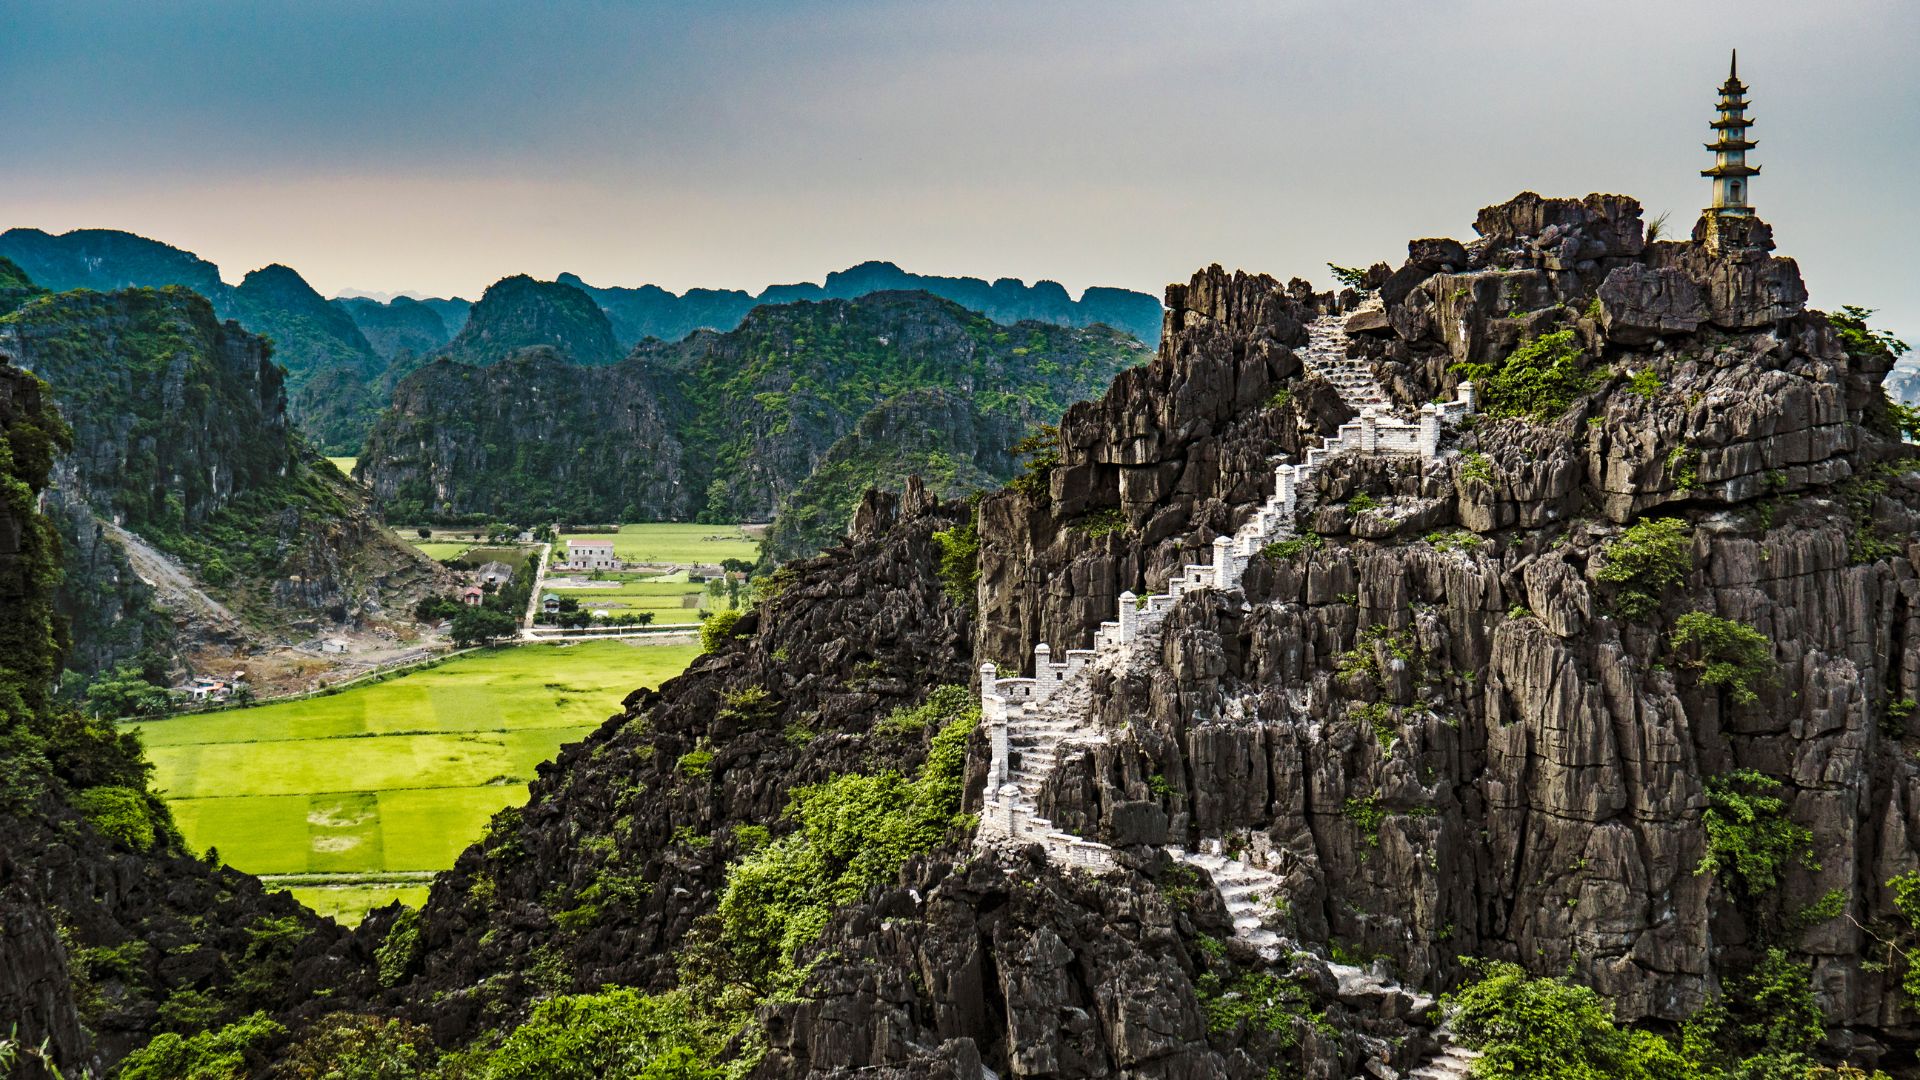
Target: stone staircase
(1032, 722)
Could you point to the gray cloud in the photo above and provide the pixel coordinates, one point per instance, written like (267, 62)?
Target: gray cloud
(439, 146)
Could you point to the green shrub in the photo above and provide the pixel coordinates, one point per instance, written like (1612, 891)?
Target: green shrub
(1850, 322)
(854, 832)
(1645, 561)
(395, 957)
(1287, 549)
(1538, 381)
(1361, 502)
(1550, 1029)
(1683, 468)
(1279, 399)
(1260, 1000)
(1042, 451)
(616, 1034)
(351, 1046)
(696, 763)
(1750, 838)
(1453, 540)
(1367, 815)
(1730, 654)
(959, 563)
(1101, 523)
(119, 813)
(1645, 382)
(1906, 900)
(717, 630)
(228, 1053)
(1476, 466)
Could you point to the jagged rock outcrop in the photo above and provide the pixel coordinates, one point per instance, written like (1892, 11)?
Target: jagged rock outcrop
(534, 437)
(1437, 725)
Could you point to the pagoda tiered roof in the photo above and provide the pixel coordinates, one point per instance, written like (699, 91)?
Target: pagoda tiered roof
(1731, 122)
(1731, 170)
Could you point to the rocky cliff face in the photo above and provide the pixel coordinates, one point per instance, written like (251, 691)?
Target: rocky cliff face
(725, 426)
(182, 441)
(111, 930)
(1443, 718)
(535, 437)
(650, 311)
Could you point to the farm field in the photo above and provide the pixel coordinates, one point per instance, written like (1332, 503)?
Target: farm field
(344, 464)
(627, 593)
(675, 544)
(394, 777)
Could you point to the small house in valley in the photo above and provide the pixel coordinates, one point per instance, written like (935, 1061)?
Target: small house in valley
(496, 574)
(590, 554)
(550, 603)
(472, 595)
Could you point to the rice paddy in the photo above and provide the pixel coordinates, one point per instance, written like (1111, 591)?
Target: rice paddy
(392, 778)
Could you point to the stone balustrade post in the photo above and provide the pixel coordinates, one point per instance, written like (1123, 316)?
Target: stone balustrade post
(1369, 430)
(1465, 397)
(1129, 616)
(1044, 677)
(1429, 431)
(1283, 488)
(1222, 562)
(989, 681)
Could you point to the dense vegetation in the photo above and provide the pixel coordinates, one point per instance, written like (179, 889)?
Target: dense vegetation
(792, 415)
(1764, 1027)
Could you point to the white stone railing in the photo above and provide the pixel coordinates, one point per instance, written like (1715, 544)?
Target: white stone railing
(1023, 703)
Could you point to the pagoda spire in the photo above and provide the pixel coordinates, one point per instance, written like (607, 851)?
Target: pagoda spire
(1730, 173)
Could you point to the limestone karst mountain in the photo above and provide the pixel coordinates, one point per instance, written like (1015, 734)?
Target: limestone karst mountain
(183, 450)
(793, 414)
(650, 311)
(1601, 666)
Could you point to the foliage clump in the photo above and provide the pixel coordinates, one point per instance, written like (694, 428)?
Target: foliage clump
(1537, 381)
(1650, 557)
(1550, 1029)
(227, 1053)
(395, 957)
(959, 563)
(853, 832)
(119, 813)
(616, 1034)
(1042, 451)
(1727, 653)
(1750, 838)
(718, 629)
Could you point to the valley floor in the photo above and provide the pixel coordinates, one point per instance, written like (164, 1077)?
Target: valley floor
(365, 792)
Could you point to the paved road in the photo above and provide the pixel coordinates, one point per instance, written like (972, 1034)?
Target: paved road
(533, 598)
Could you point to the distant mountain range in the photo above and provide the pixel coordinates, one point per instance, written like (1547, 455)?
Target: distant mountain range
(343, 357)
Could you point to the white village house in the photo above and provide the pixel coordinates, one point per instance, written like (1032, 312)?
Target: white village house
(588, 554)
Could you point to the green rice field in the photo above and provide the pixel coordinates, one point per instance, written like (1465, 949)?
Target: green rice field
(393, 777)
(344, 464)
(670, 544)
(674, 600)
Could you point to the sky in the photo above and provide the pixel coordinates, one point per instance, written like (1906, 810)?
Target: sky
(435, 147)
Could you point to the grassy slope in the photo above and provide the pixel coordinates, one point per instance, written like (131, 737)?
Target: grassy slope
(397, 776)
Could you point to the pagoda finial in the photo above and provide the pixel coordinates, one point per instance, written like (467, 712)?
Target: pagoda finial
(1733, 69)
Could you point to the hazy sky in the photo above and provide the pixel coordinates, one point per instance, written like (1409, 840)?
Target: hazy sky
(438, 146)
